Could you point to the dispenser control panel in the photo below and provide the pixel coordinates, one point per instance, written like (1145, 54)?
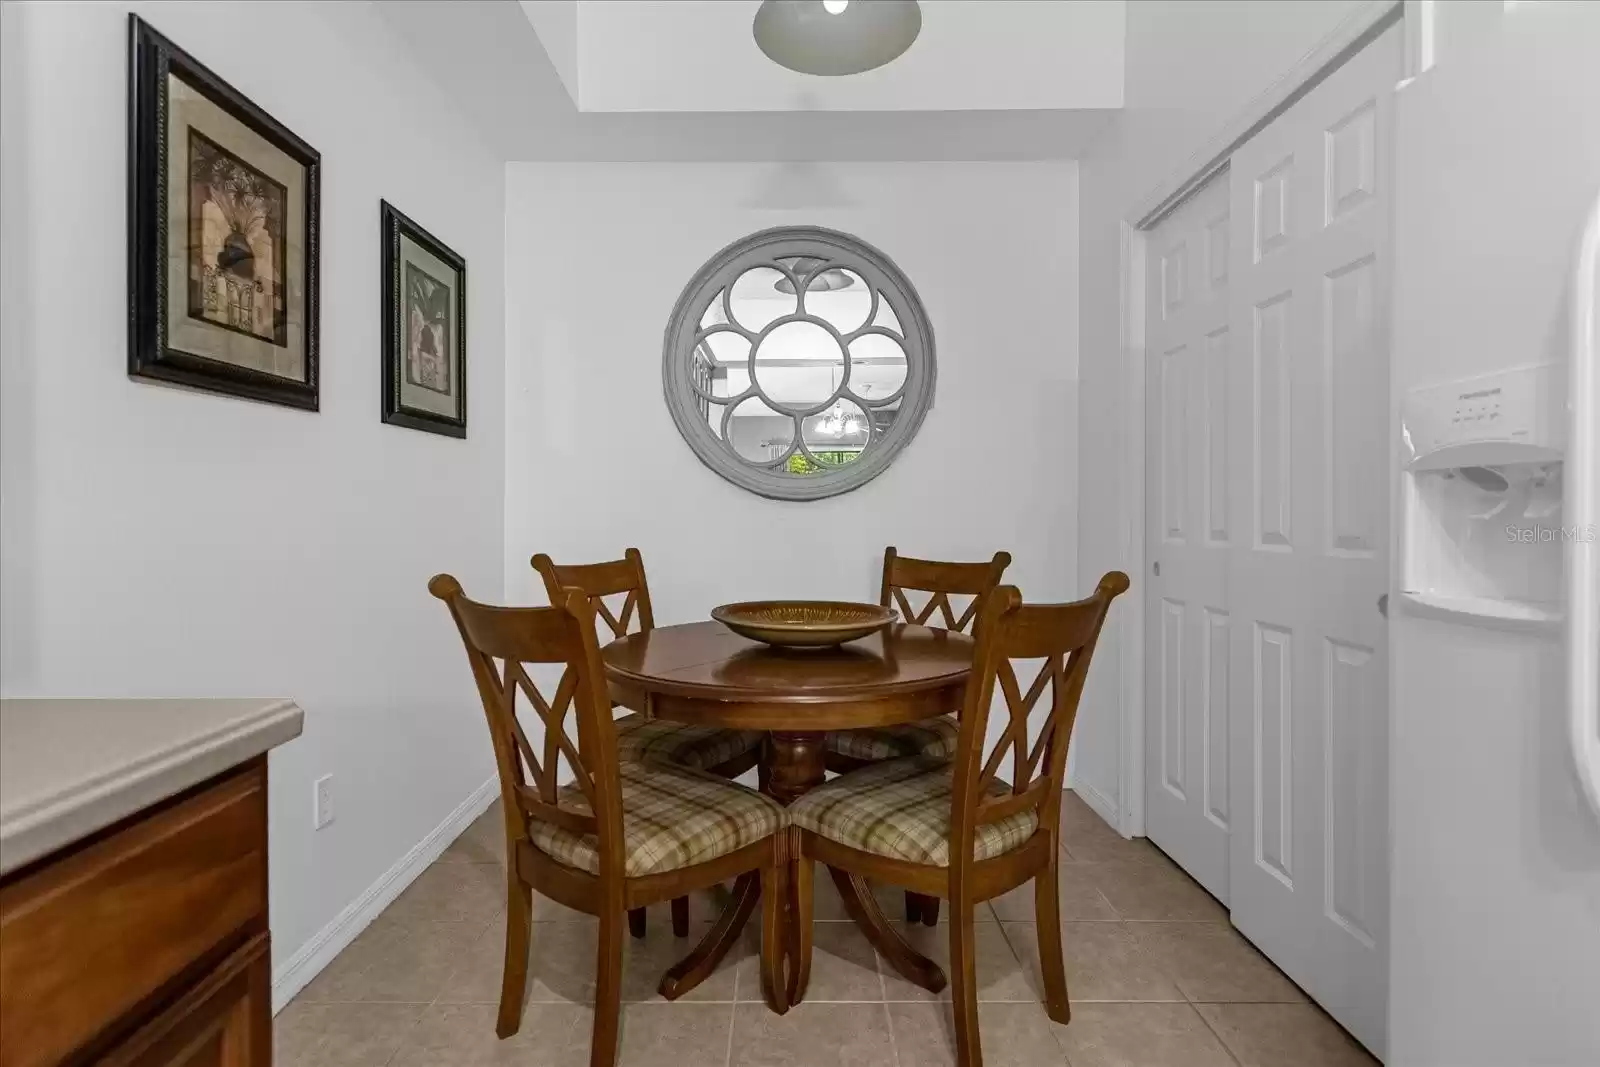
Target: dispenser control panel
(1521, 406)
(1479, 406)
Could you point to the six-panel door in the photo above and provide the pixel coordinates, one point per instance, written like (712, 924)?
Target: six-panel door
(1188, 345)
(1267, 507)
(1309, 466)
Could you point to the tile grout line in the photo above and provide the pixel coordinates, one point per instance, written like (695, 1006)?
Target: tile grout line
(894, 1038)
(1107, 901)
(401, 1044)
(1215, 1033)
(1189, 1002)
(1017, 956)
(733, 1017)
(1056, 1030)
(883, 986)
(883, 993)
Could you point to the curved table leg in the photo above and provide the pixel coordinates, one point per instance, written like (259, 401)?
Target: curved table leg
(860, 905)
(697, 966)
(796, 768)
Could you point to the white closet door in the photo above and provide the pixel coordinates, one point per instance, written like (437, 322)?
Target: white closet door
(1309, 457)
(1188, 536)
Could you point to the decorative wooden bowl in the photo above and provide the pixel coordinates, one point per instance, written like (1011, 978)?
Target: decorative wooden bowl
(803, 623)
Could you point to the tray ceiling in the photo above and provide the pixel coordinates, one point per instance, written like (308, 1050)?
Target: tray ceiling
(699, 56)
(513, 81)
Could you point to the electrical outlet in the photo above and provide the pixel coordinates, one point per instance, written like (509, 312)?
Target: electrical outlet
(322, 802)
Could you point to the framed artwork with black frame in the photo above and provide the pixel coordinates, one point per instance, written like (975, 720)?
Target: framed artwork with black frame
(424, 329)
(222, 233)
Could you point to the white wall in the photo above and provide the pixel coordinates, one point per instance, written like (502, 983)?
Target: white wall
(991, 248)
(166, 542)
(1191, 67)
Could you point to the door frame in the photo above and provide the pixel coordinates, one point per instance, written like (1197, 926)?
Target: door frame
(1359, 28)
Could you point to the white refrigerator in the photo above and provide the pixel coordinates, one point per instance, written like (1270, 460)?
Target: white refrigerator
(1495, 751)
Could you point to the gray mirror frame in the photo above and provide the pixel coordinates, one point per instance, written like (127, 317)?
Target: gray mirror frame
(763, 249)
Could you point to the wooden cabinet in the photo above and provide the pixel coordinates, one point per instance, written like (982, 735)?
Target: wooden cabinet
(224, 1020)
(146, 944)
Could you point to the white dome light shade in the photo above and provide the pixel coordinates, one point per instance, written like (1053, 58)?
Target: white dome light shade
(826, 282)
(818, 37)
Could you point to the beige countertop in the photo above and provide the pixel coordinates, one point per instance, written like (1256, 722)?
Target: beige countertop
(70, 767)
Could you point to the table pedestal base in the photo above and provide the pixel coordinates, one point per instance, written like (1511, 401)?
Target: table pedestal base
(797, 767)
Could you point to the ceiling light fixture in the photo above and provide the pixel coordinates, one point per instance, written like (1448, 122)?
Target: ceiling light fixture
(835, 37)
(835, 423)
(822, 282)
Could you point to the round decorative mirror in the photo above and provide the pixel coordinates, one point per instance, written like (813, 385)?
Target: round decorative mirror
(798, 362)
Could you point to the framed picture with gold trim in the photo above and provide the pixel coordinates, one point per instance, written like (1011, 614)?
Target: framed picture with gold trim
(222, 233)
(424, 328)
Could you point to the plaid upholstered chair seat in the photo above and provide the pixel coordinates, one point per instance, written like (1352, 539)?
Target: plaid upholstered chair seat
(672, 817)
(641, 740)
(935, 738)
(901, 809)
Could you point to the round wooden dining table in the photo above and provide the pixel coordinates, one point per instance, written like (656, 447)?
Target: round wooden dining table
(704, 673)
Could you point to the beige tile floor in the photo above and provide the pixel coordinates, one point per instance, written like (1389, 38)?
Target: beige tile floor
(1156, 974)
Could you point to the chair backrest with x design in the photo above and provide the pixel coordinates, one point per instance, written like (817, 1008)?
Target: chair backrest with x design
(501, 643)
(902, 574)
(600, 580)
(1063, 637)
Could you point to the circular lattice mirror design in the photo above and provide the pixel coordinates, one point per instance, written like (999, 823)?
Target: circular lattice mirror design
(798, 362)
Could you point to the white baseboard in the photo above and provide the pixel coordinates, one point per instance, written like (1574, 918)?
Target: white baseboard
(294, 973)
(1103, 805)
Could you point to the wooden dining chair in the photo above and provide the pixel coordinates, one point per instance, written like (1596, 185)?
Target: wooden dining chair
(728, 753)
(848, 750)
(621, 835)
(954, 828)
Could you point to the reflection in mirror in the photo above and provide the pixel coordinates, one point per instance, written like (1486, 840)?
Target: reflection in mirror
(845, 307)
(799, 365)
(837, 435)
(712, 413)
(886, 317)
(823, 278)
(727, 347)
(714, 315)
(883, 418)
(877, 367)
(757, 433)
(712, 378)
(756, 299)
